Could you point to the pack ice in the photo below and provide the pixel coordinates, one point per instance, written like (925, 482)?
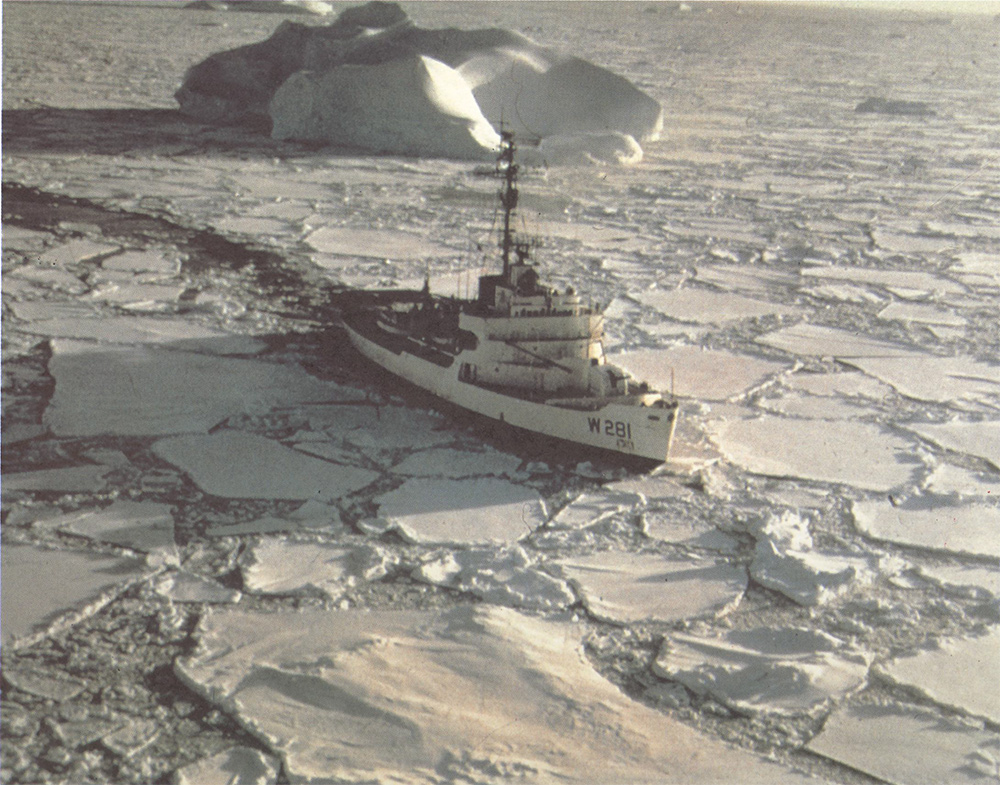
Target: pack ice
(470, 694)
(373, 80)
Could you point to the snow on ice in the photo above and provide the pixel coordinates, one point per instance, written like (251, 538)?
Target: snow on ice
(962, 674)
(470, 693)
(278, 566)
(628, 587)
(908, 746)
(764, 670)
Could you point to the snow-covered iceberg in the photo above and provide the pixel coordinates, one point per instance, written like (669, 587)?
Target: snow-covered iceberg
(373, 79)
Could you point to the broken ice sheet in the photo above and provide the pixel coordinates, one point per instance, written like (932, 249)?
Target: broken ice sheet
(41, 586)
(818, 341)
(812, 407)
(933, 523)
(500, 576)
(43, 683)
(310, 515)
(590, 508)
(845, 383)
(690, 371)
(921, 313)
(633, 587)
(901, 280)
(852, 453)
(782, 670)
(981, 439)
(960, 674)
(928, 377)
(437, 511)
(142, 526)
(72, 479)
(282, 566)
(785, 561)
(707, 306)
(235, 766)
(155, 391)
(664, 526)
(470, 694)
(963, 579)
(908, 746)
(379, 429)
(239, 465)
(146, 263)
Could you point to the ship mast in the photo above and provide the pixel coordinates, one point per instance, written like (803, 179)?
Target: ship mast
(507, 169)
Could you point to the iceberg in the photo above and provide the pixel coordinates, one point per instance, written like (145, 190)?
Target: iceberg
(374, 80)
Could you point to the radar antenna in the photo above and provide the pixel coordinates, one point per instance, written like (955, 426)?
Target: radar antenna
(507, 170)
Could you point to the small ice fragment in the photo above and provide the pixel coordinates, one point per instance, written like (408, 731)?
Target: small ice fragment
(935, 524)
(49, 684)
(785, 561)
(241, 465)
(961, 674)
(629, 587)
(184, 586)
(468, 512)
(503, 576)
(764, 670)
(235, 766)
(906, 746)
(131, 739)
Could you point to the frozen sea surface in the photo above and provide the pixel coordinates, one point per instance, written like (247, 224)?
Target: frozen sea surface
(200, 479)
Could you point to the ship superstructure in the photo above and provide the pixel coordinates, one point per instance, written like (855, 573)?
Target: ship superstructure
(521, 352)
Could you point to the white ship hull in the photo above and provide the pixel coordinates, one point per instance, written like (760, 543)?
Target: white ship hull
(627, 428)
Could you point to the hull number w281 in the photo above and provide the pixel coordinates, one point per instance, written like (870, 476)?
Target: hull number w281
(622, 430)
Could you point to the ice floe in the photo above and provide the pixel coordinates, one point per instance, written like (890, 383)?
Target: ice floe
(42, 586)
(590, 508)
(664, 526)
(785, 560)
(374, 243)
(836, 451)
(931, 378)
(922, 313)
(933, 523)
(961, 674)
(235, 766)
(312, 514)
(504, 576)
(819, 341)
(901, 282)
(241, 465)
(705, 374)
(280, 566)
(764, 670)
(707, 306)
(480, 694)
(443, 511)
(633, 587)
(141, 526)
(148, 391)
(72, 479)
(908, 746)
(981, 439)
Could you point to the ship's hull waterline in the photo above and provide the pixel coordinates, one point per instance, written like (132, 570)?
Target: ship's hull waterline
(624, 428)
